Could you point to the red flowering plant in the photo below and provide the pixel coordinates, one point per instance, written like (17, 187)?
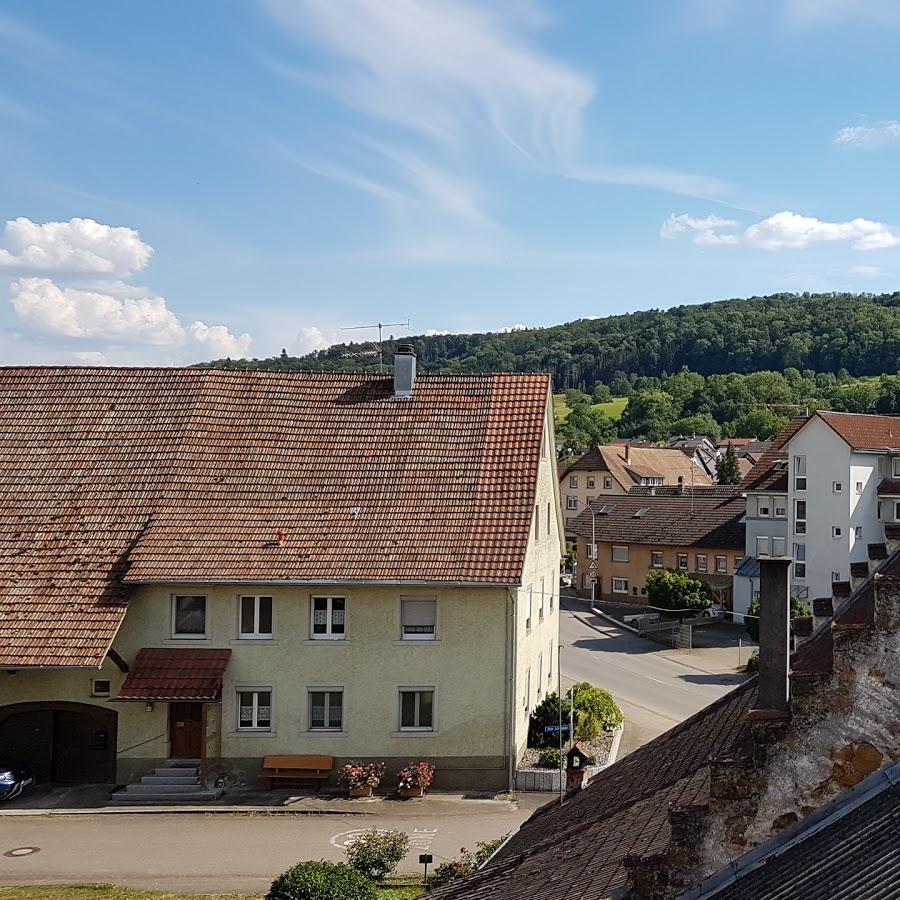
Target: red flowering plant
(360, 775)
(416, 775)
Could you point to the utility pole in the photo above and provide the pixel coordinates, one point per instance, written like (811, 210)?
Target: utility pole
(379, 326)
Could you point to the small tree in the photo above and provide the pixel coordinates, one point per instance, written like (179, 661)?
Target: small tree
(728, 471)
(677, 591)
(799, 610)
(376, 854)
(595, 711)
(321, 881)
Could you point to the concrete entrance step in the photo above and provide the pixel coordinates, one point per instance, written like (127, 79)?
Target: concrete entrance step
(177, 772)
(170, 779)
(128, 798)
(163, 788)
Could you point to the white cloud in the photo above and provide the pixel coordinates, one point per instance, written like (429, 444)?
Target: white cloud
(434, 332)
(783, 231)
(865, 271)
(309, 339)
(218, 340)
(508, 329)
(79, 245)
(91, 358)
(864, 137)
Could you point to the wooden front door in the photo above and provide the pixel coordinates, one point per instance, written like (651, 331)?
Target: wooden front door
(186, 730)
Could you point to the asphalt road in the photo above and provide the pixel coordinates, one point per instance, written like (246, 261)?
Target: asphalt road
(656, 688)
(217, 853)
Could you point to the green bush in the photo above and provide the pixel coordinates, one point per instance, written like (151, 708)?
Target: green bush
(376, 854)
(799, 610)
(550, 758)
(321, 881)
(677, 591)
(595, 711)
(466, 863)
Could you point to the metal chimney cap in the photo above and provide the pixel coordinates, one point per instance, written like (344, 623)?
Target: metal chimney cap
(405, 350)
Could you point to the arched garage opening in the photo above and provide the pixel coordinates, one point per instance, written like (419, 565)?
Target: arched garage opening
(72, 743)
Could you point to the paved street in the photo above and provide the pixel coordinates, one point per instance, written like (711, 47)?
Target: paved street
(655, 687)
(232, 853)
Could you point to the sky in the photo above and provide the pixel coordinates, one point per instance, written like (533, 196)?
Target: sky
(185, 181)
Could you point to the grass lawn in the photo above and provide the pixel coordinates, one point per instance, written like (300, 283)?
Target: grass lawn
(110, 892)
(613, 409)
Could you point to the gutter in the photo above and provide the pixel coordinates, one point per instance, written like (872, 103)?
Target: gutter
(397, 582)
(511, 663)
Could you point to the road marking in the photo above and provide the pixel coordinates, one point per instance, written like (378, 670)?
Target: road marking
(419, 838)
(22, 851)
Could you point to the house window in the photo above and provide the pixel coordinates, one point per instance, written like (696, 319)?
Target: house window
(573, 481)
(721, 563)
(607, 484)
(620, 585)
(857, 532)
(550, 662)
(780, 505)
(896, 511)
(530, 607)
(836, 531)
(779, 546)
(591, 482)
(326, 710)
(895, 466)
(764, 507)
(571, 502)
(591, 550)
(100, 687)
(682, 561)
(837, 487)
(620, 554)
(835, 576)
(417, 709)
(527, 698)
(799, 560)
(256, 617)
(540, 672)
(878, 510)
(763, 546)
(799, 517)
(799, 473)
(418, 618)
(328, 618)
(548, 520)
(859, 487)
(702, 565)
(656, 559)
(189, 617)
(541, 605)
(255, 710)
(537, 522)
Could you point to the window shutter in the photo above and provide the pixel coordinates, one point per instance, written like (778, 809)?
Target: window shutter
(418, 612)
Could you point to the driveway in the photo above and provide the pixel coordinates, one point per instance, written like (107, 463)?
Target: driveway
(220, 853)
(655, 687)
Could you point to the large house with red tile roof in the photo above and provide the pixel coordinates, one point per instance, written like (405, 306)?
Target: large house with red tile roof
(225, 565)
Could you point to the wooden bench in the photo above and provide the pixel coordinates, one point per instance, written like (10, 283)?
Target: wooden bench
(297, 768)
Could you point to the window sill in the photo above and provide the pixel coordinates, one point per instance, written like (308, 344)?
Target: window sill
(174, 642)
(237, 642)
(402, 643)
(414, 734)
(250, 733)
(326, 642)
(325, 732)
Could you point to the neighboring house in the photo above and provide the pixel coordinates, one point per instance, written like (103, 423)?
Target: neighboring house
(223, 565)
(749, 452)
(699, 531)
(700, 449)
(710, 795)
(614, 469)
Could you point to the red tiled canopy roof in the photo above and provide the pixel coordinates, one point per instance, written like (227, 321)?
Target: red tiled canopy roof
(864, 431)
(177, 674)
(110, 477)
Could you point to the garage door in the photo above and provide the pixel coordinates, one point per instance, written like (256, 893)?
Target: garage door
(63, 742)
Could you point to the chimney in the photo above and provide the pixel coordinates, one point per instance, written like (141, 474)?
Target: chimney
(404, 371)
(628, 454)
(774, 634)
(681, 484)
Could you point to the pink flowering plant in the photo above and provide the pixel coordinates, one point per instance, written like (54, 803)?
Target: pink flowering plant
(361, 775)
(414, 775)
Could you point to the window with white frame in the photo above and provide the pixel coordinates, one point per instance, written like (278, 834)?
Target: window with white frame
(329, 618)
(256, 617)
(837, 487)
(527, 697)
(326, 709)
(835, 576)
(857, 532)
(540, 673)
(418, 618)
(763, 546)
(721, 563)
(100, 687)
(573, 481)
(254, 709)
(189, 616)
(799, 560)
(620, 585)
(836, 531)
(548, 520)
(537, 522)
(799, 517)
(550, 597)
(620, 554)
(896, 511)
(591, 551)
(683, 561)
(702, 564)
(780, 507)
(530, 607)
(591, 482)
(541, 604)
(799, 473)
(571, 502)
(656, 559)
(607, 484)
(859, 487)
(417, 709)
(764, 507)
(895, 467)
(550, 662)
(779, 546)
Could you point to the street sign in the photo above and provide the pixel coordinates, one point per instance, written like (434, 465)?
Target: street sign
(555, 729)
(425, 858)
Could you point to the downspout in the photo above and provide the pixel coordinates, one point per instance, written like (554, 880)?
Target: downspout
(511, 663)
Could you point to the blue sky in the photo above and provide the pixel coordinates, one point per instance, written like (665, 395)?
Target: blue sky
(186, 180)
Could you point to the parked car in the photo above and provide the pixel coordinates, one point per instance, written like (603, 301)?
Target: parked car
(565, 580)
(716, 611)
(635, 619)
(14, 778)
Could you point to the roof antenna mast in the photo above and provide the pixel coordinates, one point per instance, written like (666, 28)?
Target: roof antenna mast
(379, 326)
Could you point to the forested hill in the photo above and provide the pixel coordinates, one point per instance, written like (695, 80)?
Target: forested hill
(859, 333)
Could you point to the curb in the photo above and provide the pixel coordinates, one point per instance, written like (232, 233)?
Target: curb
(611, 620)
(184, 810)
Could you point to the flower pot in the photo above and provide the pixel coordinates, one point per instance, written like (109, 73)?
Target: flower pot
(361, 791)
(412, 792)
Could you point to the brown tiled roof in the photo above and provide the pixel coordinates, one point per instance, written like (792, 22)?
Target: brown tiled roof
(661, 462)
(579, 849)
(178, 674)
(701, 516)
(864, 432)
(889, 487)
(769, 473)
(116, 476)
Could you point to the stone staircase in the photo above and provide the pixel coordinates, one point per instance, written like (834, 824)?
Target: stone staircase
(176, 783)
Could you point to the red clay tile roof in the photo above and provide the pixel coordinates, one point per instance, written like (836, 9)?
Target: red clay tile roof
(769, 472)
(865, 432)
(179, 674)
(668, 463)
(114, 476)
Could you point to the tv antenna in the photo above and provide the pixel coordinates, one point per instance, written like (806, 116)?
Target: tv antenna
(379, 326)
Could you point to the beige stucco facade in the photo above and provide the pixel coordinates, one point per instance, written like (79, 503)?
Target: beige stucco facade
(487, 666)
(583, 485)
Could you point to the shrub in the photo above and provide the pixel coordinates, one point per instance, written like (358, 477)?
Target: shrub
(799, 610)
(677, 591)
(595, 711)
(357, 775)
(321, 881)
(550, 758)
(466, 864)
(419, 774)
(376, 854)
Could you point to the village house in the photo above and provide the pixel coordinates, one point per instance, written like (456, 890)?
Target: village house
(621, 540)
(222, 565)
(614, 469)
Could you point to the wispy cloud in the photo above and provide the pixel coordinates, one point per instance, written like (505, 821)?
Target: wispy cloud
(831, 12)
(867, 137)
